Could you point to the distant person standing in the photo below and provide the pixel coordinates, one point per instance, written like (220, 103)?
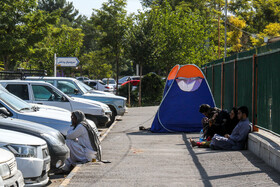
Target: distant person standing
(238, 137)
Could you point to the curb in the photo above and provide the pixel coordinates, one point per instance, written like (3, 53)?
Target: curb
(67, 180)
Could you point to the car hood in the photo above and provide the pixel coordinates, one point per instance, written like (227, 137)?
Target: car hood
(100, 92)
(47, 116)
(47, 107)
(87, 103)
(13, 137)
(26, 126)
(106, 95)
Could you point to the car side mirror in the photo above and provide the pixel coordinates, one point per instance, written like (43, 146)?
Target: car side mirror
(76, 91)
(4, 111)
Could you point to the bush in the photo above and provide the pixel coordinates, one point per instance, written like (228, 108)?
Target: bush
(152, 89)
(123, 91)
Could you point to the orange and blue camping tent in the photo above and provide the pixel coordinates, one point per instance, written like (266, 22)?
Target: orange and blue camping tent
(185, 90)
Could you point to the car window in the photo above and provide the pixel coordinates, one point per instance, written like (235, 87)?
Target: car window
(20, 90)
(66, 86)
(45, 93)
(50, 81)
(85, 88)
(92, 84)
(135, 78)
(112, 82)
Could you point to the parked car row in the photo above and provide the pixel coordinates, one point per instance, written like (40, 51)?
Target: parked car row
(35, 115)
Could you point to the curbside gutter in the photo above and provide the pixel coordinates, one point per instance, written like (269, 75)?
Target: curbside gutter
(67, 180)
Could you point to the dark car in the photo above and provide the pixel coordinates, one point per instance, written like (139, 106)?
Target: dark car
(55, 141)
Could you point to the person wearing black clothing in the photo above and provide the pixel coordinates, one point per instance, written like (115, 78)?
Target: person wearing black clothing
(232, 122)
(214, 122)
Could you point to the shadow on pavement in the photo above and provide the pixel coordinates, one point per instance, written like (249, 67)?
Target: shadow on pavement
(203, 173)
(258, 163)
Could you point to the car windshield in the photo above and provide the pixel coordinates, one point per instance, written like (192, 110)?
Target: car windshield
(110, 81)
(85, 88)
(101, 82)
(122, 80)
(14, 102)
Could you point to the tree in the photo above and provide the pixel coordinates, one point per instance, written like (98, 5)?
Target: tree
(141, 43)
(69, 15)
(21, 27)
(236, 33)
(111, 22)
(270, 31)
(182, 37)
(95, 64)
(256, 13)
(64, 41)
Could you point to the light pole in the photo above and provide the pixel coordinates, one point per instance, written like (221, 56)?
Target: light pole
(225, 30)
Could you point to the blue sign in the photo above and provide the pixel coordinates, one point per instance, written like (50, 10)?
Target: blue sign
(67, 61)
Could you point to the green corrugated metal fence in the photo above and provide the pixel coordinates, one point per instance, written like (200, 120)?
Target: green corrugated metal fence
(250, 78)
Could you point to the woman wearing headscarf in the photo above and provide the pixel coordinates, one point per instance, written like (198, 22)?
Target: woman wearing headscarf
(82, 141)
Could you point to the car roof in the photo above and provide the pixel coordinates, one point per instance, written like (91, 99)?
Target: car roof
(52, 78)
(22, 81)
(109, 78)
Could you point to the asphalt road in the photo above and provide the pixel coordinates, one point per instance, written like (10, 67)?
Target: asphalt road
(141, 158)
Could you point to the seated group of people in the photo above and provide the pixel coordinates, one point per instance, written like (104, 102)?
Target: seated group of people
(223, 130)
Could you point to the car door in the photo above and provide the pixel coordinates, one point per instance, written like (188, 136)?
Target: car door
(45, 95)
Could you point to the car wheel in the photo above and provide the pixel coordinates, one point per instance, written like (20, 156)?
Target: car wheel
(113, 116)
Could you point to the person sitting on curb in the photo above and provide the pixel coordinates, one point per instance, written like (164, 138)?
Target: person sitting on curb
(82, 141)
(229, 126)
(214, 121)
(238, 137)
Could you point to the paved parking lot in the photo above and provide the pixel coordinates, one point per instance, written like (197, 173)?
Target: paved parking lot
(141, 158)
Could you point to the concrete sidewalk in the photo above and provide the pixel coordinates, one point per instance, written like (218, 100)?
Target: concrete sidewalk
(141, 158)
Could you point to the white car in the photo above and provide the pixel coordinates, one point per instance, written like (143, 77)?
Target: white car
(31, 153)
(12, 106)
(77, 88)
(40, 92)
(9, 174)
(82, 78)
(110, 81)
(99, 85)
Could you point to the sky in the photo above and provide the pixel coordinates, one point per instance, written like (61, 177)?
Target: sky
(85, 6)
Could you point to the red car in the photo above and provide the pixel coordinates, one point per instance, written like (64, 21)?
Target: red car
(132, 82)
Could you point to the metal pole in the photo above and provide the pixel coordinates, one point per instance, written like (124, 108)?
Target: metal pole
(54, 71)
(225, 30)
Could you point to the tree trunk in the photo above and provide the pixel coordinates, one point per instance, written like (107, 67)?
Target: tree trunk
(6, 63)
(117, 77)
(140, 85)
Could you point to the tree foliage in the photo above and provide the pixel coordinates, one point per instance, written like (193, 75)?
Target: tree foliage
(236, 33)
(21, 27)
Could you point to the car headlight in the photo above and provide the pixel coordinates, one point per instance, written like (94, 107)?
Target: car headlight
(4, 171)
(23, 150)
(52, 140)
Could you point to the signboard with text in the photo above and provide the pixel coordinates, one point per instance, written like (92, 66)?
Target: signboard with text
(67, 61)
